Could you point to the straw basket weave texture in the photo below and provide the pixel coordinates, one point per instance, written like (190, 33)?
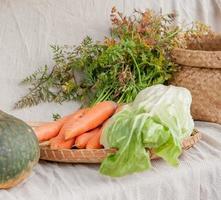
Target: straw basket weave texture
(200, 72)
(98, 155)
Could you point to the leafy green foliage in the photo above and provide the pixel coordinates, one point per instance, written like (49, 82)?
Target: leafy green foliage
(135, 56)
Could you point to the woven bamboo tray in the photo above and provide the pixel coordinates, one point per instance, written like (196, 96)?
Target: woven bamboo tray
(97, 155)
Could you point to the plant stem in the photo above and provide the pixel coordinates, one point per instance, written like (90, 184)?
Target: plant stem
(136, 65)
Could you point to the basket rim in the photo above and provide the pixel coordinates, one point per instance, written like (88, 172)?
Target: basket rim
(97, 155)
(197, 58)
(213, 37)
(195, 51)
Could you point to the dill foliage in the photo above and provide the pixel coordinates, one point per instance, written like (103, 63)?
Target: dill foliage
(135, 55)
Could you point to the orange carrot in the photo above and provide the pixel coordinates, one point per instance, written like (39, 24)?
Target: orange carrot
(92, 119)
(51, 129)
(82, 140)
(94, 142)
(59, 142)
(48, 130)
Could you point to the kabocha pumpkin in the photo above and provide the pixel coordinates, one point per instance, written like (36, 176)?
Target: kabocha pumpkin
(19, 150)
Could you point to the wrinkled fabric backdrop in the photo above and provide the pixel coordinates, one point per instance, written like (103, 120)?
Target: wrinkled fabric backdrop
(28, 27)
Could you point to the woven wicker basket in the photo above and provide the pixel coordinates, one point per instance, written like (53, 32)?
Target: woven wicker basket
(200, 72)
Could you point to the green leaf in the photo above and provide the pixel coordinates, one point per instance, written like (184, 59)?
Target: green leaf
(158, 119)
(125, 134)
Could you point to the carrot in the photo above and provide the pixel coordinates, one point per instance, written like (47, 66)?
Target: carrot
(82, 140)
(94, 142)
(59, 142)
(92, 119)
(48, 130)
(51, 129)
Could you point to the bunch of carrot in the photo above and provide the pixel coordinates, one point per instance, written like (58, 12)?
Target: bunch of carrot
(81, 129)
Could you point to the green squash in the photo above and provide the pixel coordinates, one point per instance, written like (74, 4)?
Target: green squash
(19, 150)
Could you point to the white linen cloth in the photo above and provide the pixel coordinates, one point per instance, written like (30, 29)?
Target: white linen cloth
(198, 177)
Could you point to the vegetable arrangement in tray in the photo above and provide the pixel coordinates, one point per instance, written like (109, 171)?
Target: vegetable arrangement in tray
(158, 119)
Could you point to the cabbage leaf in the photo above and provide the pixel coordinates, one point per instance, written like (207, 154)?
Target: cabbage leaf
(158, 119)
